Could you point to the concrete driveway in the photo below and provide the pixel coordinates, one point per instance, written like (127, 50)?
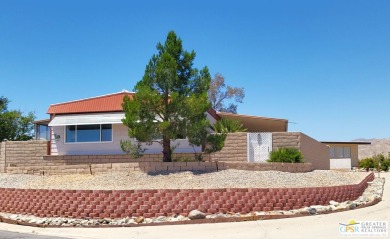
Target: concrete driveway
(320, 226)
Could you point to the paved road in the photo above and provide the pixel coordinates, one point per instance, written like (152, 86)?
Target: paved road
(320, 226)
(17, 235)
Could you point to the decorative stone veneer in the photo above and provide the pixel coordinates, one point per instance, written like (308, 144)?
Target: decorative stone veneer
(152, 203)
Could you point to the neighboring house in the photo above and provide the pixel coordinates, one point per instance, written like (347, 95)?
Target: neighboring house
(94, 126)
(343, 155)
(42, 130)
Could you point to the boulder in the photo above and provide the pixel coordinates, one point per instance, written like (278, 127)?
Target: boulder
(196, 214)
(334, 203)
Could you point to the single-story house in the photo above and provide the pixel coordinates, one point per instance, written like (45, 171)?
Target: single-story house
(94, 126)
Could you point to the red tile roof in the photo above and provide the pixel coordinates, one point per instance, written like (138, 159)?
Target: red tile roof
(105, 103)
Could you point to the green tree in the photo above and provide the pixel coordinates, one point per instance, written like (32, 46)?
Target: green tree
(219, 93)
(13, 124)
(170, 100)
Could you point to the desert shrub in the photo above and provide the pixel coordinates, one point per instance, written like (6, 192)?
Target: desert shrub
(374, 161)
(384, 162)
(385, 165)
(134, 150)
(286, 155)
(366, 163)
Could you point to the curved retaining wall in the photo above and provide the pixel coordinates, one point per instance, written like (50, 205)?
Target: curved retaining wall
(150, 203)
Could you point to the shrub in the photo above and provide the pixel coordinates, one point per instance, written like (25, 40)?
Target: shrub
(134, 150)
(373, 162)
(215, 142)
(385, 165)
(366, 163)
(228, 126)
(286, 155)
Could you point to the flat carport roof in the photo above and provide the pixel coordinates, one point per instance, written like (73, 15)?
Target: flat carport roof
(258, 123)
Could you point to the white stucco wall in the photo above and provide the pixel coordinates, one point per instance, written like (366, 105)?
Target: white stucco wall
(59, 147)
(344, 163)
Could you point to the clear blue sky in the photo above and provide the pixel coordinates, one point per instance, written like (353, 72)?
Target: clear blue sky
(324, 65)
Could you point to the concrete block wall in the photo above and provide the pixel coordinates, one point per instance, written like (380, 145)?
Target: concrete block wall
(99, 168)
(285, 139)
(235, 149)
(283, 167)
(22, 153)
(313, 151)
(2, 157)
(167, 202)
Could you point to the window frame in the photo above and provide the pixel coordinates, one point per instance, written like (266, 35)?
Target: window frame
(343, 150)
(91, 142)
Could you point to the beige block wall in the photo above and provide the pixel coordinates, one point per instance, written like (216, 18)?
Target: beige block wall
(235, 149)
(20, 153)
(285, 139)
(314, 152)
(2, 157)
(354, 155)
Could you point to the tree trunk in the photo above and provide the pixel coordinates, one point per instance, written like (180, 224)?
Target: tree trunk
(166, 149)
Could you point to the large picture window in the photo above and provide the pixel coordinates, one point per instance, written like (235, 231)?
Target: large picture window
(88, 133)
(339, 152)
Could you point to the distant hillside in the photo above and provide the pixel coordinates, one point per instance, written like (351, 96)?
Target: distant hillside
(378, 146)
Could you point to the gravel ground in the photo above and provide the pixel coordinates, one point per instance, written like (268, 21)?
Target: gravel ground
(183, 180)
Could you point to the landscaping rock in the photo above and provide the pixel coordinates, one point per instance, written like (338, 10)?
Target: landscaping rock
(139, 219)
(311, 211)
(374, 191)
(196, 214)
(148, 220)
(343, 205)
(182, 218)
(320, 208)
(160, 219)
(352, 206)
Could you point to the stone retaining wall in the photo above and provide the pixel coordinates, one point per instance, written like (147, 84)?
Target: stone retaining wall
(283, 167)
(99, 168)
(31, 157)
(155, 167)
(163, 202)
